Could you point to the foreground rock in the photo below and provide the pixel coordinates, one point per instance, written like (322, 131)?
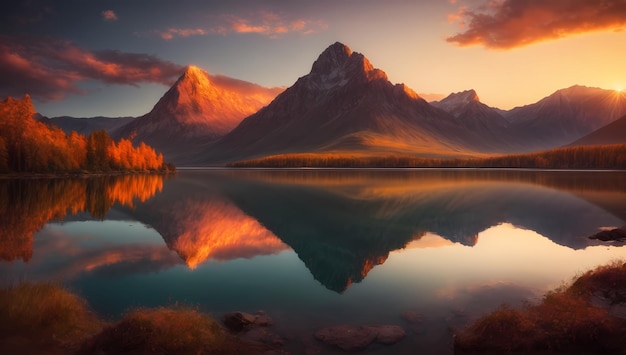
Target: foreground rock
(240, 321)
(617, 234)
(353, 338)
(252, 328)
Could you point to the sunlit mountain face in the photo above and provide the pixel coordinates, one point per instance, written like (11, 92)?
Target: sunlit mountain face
(198, 108)
(344, 104)
(347, 108)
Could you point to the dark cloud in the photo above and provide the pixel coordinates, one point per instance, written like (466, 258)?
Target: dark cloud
(513, 23)
(49, 69)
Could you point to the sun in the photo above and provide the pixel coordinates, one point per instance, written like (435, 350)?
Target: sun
(619, 89)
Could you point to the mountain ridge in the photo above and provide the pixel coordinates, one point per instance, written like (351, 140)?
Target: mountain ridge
(199, 107)
(345, 105)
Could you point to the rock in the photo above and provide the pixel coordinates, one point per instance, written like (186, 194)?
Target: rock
(617, 234)
(389, 334)
(262, 336)
(412, 317)
(353, 338)
(415, 320)
(237, 321)
(262, 319)
(347, 337)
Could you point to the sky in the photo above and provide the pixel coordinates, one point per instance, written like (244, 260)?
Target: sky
(118, 57)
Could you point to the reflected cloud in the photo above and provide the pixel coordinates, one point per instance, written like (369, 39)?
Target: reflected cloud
(62, 254)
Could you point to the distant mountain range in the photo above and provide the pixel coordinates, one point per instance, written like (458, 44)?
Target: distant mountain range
(612, 133)
(346, 106)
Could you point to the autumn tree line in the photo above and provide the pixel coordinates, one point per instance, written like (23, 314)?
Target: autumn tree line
(579, 157)
(30, 146)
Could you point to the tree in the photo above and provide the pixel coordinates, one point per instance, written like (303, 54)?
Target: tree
(98, 144)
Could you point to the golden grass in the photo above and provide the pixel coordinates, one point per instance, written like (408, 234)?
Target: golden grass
(176, 329)
(46, 312)
(47, 318)
(565, 320)
(607, 281)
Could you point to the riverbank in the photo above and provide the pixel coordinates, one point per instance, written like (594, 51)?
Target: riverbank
(84, 174)
(46, 318)
(586, 316)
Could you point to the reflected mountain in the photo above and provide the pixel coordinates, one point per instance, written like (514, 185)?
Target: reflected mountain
(26, 205)
(200, 224)
(340, 223)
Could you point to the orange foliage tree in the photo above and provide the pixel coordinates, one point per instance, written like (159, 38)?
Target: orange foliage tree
(27, 145)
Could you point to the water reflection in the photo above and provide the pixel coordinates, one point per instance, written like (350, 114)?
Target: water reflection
(341, 224)
(203, 226)
(26, 205)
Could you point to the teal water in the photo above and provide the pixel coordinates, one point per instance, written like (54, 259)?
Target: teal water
(315, 248)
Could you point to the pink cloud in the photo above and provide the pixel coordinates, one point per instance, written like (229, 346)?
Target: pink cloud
(49, 69)
(170, 33)
(269, 24)
(264, 23)
(109, 15)
(508, 24)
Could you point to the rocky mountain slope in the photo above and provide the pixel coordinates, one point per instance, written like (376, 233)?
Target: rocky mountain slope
(345, 105)
(613, 133)
(565, 116)
(198, 108)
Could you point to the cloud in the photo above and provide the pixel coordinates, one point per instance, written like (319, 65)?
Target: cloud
(170, 33)
(264, 23)
(270, 24)
(50, 69)
(109, 15)
(506, 24)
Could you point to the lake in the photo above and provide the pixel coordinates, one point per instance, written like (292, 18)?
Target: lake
(429, 250)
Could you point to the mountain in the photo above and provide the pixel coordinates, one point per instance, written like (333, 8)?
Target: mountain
(613, 133)
(87, 125)
(475, 116)
(344, 105)
(565, 116)
(199, 107)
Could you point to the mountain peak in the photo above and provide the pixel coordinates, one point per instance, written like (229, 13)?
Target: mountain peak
(463, 96)
(193, 70)
(338, 64)
(332, 57)
(195, 76)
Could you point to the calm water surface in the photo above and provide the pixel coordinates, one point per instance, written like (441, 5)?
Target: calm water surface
(314, 248)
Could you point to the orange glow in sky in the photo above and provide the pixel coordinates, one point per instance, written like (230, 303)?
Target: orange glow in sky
(120, 62)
